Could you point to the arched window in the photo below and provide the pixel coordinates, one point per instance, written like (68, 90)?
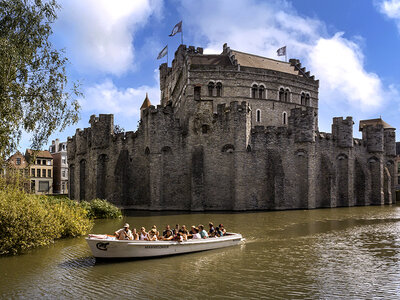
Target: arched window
(284, 118)
(254, 91)
(210, 88)
(287, 95)
(197, 92)
(258, 115)
(281, 94)
(219, 89)
(261, 92)
(307, 101)
(303, 99)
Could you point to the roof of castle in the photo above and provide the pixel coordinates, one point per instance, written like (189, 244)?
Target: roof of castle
(255, 61)
(146, 102)
(374, 122)
(211, 59)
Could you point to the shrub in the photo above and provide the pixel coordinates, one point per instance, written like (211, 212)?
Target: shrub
(28, 221)
(101, 209)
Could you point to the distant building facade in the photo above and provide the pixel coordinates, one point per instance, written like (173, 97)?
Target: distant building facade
(40, 170)
(60, 166)
(234, 131)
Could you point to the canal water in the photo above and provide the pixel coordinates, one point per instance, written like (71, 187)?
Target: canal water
(344, 253)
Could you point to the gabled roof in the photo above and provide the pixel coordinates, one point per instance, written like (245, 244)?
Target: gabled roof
(146, 102)
(374, 122)
(255, 61)
(39, 154)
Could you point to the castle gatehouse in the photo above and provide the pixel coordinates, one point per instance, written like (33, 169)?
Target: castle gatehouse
(233, 131)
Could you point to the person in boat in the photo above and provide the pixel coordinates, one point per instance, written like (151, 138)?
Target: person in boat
(124, 233)
(176, 230)
(184, 232)
(221, 227)
(144, 236)
(196, 234)
(211, 232)
(218, 232)
(179, 237)
(155, 228)
(135, 234)
(152, 235)
(168, 235)
(202, 232)
(191, 232)
(167, 228)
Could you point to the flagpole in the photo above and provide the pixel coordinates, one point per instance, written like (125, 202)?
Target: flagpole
(182, 37)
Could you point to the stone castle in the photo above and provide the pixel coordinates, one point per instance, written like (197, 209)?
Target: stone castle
(234, 131)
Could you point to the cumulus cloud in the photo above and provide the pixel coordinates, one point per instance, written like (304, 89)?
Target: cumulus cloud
(391, 9)
(99, 34)
(106, 97)
(262, 27)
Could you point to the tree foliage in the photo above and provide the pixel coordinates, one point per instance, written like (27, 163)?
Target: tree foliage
(35, 95)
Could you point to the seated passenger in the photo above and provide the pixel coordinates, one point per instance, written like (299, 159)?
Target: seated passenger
(184, 232)
(202, 232)
(167, 228)
(152, 236)
(221, 227)
(144, 236)
(211, 231)
(218, 232)
(191, 232)
(135, 234)
(157, 232)
(176, 230)
(178, 237)
(168, 235)
(124, 233)
(196, 234)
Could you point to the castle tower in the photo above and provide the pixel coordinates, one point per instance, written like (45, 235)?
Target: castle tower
(146, 104)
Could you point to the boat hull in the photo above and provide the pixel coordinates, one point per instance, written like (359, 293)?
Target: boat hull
(108, 248)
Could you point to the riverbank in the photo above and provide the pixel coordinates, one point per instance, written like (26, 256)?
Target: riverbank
(28, 221)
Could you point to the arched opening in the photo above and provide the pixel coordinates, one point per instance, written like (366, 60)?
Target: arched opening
(228, 148)
(281, 94)
(261, 92)
(72, 182)
(303, 99)
(287, 95)
(258, 115)
(82, 180)
(219, 89)
(254, 91)
(307, 100)
(284, 118)
(101, 176)
(210, 88)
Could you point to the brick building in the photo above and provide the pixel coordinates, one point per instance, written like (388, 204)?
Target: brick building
(40, 170)
(60, 166)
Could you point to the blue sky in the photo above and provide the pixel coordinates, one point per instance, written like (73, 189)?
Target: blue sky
(350, 46)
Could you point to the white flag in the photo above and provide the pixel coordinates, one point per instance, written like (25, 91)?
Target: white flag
(177, 28)
(163, 52)
(281, 51)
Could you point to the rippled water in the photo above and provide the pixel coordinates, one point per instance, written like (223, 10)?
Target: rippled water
(351, 253)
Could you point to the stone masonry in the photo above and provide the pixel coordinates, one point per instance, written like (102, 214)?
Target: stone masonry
(234, 131)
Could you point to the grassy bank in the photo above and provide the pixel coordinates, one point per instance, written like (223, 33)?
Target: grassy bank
(28, 221)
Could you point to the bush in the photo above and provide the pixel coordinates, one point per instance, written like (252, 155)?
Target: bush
(28, 221)
(101, 209)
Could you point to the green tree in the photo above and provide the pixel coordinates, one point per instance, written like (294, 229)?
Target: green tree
(35, 95)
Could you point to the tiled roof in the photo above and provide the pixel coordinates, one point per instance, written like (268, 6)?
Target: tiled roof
(374, 122)
(255, 61)
(39, 154)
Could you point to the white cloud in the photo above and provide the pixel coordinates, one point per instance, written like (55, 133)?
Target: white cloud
(390, 8)
(106, 97)
(99, 34)
(263, 27)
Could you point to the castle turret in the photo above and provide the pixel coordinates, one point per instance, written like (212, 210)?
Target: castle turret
(342, 132)
(146, 104)
(302, 124)
(373, 133)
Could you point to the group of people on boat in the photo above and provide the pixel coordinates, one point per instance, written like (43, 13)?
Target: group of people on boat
(179, 233)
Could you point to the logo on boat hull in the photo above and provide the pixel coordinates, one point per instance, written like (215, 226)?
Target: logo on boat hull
(102, 246)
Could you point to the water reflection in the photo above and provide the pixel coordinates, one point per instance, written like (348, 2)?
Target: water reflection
(350, 253)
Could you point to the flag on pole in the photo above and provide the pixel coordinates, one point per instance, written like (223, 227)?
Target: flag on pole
(281, 51)
(163, 52)
(177, 28)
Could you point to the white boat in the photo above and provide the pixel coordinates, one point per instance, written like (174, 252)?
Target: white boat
(103, 246)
